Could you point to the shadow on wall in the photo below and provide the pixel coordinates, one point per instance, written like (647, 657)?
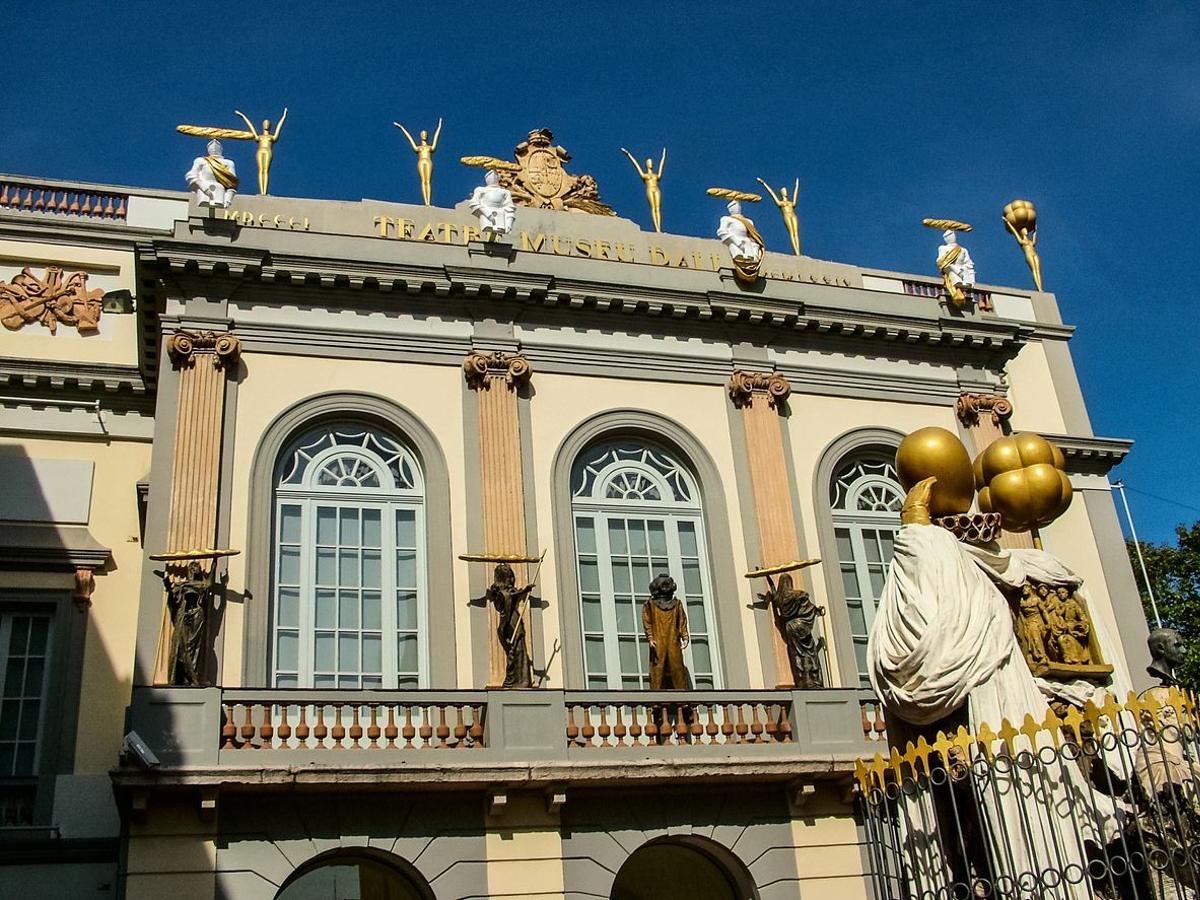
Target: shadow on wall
(62, 825)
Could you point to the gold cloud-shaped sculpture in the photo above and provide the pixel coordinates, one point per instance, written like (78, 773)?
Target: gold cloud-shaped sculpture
(1022, 477)
(934, 451)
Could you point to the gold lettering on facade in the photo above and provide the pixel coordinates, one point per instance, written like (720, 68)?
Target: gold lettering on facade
(281, 222)
(540, 242)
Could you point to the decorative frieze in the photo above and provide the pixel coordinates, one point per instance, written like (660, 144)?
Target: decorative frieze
(52, 299)
(744, 385)
(970, 407)
(481, 369)
(183, 346)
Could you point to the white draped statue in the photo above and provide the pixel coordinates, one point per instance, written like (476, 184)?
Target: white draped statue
(954, 260)
(493, 206)
(213, 178)
(739, 234)
(943, 639)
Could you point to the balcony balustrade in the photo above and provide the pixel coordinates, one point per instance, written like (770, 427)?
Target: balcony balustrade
(47, 197)
(250, 737)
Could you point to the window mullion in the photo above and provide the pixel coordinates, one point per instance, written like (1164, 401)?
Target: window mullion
(608, 603)
(387, 613)
(308, 592)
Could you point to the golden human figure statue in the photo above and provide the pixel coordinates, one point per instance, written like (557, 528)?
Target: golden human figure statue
(651, 179)
(788, 208)
(1020, 218)
(266, 140)
(424, 151)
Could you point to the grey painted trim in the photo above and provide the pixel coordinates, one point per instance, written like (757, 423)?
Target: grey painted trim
(83, 422)
(1066, 387)
(439, 571)
(105, 379)
(216, 661)
(806, 575)
(158, 510)
(1132, 628)
(61, 715)
(477, 576)
(660, 429)
(1091, 455)
(839, 617)
(1045, 308)
(58, 547)
(537, 606)
(750, 536)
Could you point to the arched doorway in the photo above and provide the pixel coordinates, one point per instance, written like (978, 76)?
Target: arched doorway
(358, 874)
(683, 868)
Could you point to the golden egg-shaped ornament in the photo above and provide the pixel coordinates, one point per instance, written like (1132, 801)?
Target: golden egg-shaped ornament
(1045, 486)
(1010, 495)
(1067, 493)
(1034, 449)
(937, 452)
(1000, 456)
(985, 500)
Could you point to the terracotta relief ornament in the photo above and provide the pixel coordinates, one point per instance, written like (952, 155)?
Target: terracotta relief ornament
(51, 299)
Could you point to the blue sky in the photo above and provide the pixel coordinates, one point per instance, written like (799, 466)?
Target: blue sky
(887, 112)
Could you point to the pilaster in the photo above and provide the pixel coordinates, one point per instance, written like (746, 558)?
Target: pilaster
(760, 396)
(203, 360)
(497, 378)
(985, 418)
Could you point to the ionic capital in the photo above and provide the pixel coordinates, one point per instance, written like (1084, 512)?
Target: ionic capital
(969, 407)
(481, 369)
(743, 386)
(184, 346)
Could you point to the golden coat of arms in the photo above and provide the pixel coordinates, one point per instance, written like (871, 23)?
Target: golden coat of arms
(538, 179)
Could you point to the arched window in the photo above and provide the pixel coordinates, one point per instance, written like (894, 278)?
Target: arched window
(348, 600)
(683, 867)
(865, 498)
(361, 873)
(638, 514)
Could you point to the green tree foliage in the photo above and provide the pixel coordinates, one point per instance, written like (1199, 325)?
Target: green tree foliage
(1175, 574)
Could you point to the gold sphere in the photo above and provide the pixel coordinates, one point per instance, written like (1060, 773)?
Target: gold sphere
(1022, 477)
(1021, 214)
(936, 451)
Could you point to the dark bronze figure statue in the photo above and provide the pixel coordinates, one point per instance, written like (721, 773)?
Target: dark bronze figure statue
(510, 602)
(664, 621)
(1167, 654)
(797, 616)
(189, 600)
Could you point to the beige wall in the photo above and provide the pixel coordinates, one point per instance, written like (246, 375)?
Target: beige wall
(1031, 389)
(274, 383)
(108, 270)
(815, 423)
(112, 620)
(561, 404)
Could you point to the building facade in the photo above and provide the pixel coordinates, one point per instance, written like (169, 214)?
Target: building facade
(353, 395)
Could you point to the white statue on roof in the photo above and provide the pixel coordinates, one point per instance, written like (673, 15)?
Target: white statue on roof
(739, 234)
(493, 206)
(213, 178)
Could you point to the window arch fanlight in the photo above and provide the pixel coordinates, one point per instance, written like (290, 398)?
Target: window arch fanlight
(348, 589)
(356, 872)
(637, 514)
(865, 497)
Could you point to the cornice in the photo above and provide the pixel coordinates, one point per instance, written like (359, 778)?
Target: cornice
(783, 309)
(107, 378)
(1091, 455)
